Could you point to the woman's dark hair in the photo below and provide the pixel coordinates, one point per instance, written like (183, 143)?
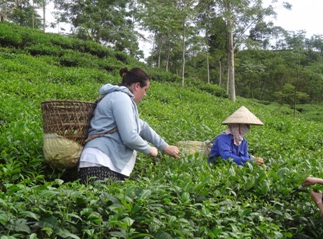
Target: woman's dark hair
(133, 76)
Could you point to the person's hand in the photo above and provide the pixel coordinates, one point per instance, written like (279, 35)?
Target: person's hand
(259, 161)
(316, 196)
(310, 181)
(172, 151)
(153, 152)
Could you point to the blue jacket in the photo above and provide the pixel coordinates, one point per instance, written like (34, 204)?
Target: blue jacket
(117, 109)
(225, 148)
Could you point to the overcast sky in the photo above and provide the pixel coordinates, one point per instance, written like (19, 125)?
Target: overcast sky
(305, 15)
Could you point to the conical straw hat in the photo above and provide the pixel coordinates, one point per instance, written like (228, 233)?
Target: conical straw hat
(243, 116)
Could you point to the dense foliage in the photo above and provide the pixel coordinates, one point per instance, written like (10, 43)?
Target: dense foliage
(264, 73)
(164, 198)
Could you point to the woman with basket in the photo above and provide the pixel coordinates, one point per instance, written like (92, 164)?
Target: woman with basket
(117, 133)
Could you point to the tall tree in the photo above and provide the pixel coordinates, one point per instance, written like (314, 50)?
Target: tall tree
(278, 38)
(316, 43)
(296, 40)
(261, 34)
(6, 8)
(186, 10)
(159, 18)
(109, 22)
(20, 12)
(217, 42)
(239, 16)
(42, 4)
(204, 22)
(171, 22)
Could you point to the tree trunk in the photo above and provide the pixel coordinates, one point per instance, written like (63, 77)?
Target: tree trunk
(33, 16)
(44, 15)
(183, 67)
(167, 62)
(220, 73)
(228, 80)
(159, 53)
(208, 67)
(231, 79)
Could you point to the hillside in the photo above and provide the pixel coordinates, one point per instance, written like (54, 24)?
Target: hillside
(164, 198)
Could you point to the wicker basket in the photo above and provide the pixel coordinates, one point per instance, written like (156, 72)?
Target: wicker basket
(70, 119)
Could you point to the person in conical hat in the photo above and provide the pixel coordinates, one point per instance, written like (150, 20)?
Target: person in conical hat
(231, 144)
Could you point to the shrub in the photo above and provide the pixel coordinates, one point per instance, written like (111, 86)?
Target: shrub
(44, 49)
(163, 76)
(96, 49)
(64, 42)
(214, 90)
(121, 56)
(9, 39)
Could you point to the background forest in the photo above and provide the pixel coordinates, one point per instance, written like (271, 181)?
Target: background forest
(228, 43)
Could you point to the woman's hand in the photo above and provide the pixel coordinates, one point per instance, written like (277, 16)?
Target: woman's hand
(311, 180)
(172, 151)
(259, 161)
(316, 196)
(153, 152)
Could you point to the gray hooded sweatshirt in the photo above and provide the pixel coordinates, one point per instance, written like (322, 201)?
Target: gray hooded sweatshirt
(117, 109)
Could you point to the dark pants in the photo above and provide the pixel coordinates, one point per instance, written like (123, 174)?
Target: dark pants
(92, 174)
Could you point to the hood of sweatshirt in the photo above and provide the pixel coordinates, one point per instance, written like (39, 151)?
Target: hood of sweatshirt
(109, 88)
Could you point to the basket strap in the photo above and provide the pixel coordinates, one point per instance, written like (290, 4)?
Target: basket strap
(99, 99)
(100, 135)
